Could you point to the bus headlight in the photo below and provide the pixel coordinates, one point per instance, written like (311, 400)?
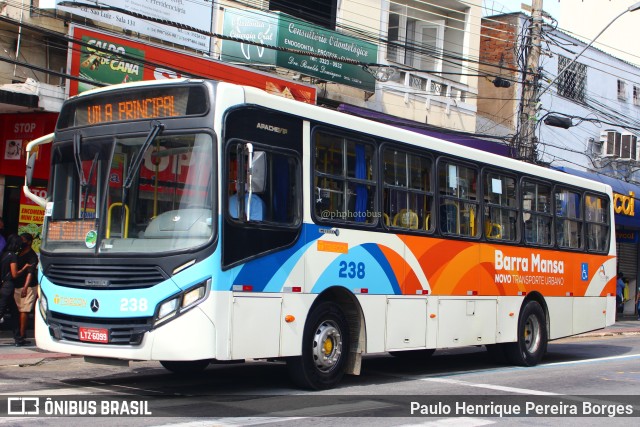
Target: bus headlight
(168, 309)
(44, 306)
(194, 295)
(182, 302)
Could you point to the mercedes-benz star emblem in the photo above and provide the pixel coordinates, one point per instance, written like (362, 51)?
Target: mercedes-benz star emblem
(95, 305)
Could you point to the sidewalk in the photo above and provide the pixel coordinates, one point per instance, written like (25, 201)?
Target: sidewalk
(10, 355)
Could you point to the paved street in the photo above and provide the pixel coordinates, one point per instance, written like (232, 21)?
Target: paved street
(10, 355)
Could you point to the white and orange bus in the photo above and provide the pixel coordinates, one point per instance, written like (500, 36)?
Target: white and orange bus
(193, 221)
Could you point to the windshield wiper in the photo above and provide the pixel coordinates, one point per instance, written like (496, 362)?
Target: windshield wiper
(85, 184)
(78, 161)
(156, 128)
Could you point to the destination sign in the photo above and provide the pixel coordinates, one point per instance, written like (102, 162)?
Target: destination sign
(142, 103)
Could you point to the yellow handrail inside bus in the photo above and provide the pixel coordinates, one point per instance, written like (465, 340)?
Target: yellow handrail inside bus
(126, 219)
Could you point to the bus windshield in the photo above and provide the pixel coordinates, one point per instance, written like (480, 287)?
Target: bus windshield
(144, 194)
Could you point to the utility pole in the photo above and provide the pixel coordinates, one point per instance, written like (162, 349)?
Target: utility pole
(526, 139)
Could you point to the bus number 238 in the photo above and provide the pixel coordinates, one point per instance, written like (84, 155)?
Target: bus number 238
(351, 270)
(133, 304)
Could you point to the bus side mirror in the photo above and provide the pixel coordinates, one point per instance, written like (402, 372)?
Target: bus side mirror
(31, 161)
(258, 170)
(32, 149)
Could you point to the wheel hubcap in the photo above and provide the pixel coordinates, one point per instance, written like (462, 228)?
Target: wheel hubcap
(532, 334)
(327, 346)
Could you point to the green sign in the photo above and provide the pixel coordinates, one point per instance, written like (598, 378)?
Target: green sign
(110, 68)
(256, 27)
(293, 35)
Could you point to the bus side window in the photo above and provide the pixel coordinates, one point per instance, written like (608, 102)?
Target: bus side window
(408, 196)
(274, 186)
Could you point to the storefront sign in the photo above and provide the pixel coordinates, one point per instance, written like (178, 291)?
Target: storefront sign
(16, 131)
(284, 31)
(197, 14)
(128, 60)
(31, 216)
(624, 205)
(626, 236)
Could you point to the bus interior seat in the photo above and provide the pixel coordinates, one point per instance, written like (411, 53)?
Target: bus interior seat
(406, 218)
(493, 230)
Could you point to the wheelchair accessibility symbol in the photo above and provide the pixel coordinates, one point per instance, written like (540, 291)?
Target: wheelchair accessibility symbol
(584, 271)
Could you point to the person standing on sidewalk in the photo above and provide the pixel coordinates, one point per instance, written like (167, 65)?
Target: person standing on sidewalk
(25, 285)
(3, 242)
(9, 272)
(620, 294)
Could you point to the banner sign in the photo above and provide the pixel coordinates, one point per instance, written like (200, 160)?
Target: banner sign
(198, 14)
(31, 216)
(16, 131)
(281, 30)
(134, 61)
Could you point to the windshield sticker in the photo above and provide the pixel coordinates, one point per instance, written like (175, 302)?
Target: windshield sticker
(90, 239)
(48, 210)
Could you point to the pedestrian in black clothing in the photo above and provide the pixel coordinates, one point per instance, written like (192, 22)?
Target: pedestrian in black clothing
(26, 284)
(9, 272)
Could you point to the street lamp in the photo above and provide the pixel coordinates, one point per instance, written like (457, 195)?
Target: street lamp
(631, 8)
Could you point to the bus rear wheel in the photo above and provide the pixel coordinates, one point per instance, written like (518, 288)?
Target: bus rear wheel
(185, 366)
(325, 348)
(532, 336)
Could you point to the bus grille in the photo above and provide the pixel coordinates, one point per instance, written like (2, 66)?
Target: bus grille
(121, 331)
(105, 276)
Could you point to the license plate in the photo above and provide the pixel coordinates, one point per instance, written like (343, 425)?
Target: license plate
(93, 334)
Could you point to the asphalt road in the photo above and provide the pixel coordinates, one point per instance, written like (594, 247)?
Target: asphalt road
(454, 387)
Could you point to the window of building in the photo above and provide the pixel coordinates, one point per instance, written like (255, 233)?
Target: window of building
(636, 95)
(414, 38)
(572, 82)
(407, 192)
(501, 207)
(322, 13)
(344, 179)
(458, 210)
(536, 213)
(622, 90)
(568, 218)
(596, 215)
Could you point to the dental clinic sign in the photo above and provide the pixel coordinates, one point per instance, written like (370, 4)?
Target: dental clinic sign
(277, 29)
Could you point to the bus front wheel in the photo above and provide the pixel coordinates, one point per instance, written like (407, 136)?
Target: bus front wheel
(185, 366)
(325, 348)
(532, 336)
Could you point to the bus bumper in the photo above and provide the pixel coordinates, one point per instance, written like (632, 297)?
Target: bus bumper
(191, 336)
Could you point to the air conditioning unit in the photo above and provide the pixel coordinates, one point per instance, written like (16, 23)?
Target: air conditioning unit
(596, 146)
(628, 147)
(611, 141)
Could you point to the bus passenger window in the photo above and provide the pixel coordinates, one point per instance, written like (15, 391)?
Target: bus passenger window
(407, 196)
(568, 218)
(344, 179)
(536, 214)
(597, 221)
(458, 199)
(501, 210)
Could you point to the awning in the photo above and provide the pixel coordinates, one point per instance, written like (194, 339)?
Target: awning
(618, 186)
(468, 141)
(12, 100)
